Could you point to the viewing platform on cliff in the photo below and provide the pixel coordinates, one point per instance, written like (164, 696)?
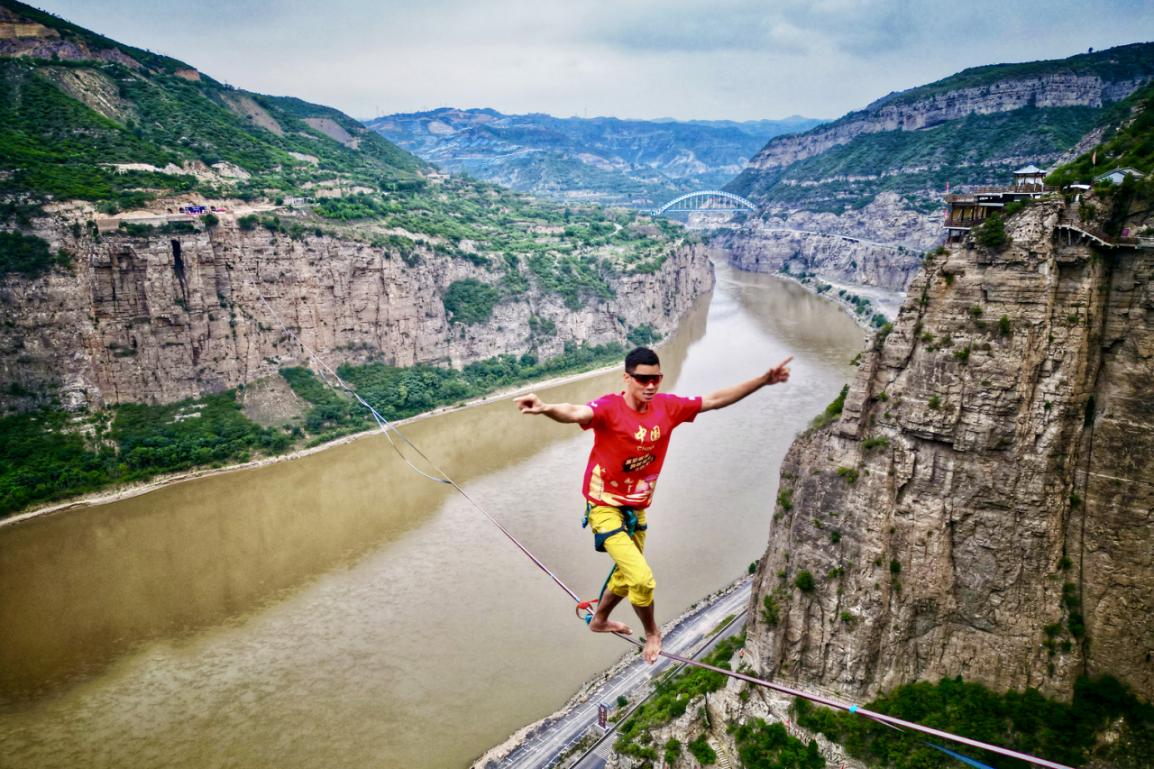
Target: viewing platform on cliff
(969, 208)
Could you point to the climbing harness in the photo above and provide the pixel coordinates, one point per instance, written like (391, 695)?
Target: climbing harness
(389, 430)
(629, 525)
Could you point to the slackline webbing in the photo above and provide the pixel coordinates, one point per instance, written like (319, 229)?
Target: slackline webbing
(390, 429)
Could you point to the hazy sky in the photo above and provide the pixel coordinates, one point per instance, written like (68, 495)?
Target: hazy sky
(715, 59)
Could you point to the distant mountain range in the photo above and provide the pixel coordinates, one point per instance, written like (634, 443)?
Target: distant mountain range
(637, 163)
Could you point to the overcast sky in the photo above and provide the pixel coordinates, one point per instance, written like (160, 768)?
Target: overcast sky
(711, 59)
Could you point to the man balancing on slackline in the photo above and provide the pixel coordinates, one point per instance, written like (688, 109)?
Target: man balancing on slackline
(630, 437)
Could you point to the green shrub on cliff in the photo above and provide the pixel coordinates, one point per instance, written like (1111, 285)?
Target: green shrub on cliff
(770, 611)
(470, 301)
(991, 234)
(27, 255)
(832, 411)
(770, 746)
(1023, 721)
(702, 751)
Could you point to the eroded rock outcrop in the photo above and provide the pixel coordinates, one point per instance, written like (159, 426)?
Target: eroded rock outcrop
(983, 507)
(880, 245)
(163, 317)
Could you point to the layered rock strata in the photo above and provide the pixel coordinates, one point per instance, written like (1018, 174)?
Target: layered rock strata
(984, 506)
(160, 318)
(1058, 89)
(880, 245)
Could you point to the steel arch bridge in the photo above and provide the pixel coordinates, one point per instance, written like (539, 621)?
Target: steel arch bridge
(694, 201)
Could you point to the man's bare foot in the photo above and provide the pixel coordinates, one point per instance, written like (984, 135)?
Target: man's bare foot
(609, 626)
(652, 648)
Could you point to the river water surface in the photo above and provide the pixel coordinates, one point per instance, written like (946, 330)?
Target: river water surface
(339, 610)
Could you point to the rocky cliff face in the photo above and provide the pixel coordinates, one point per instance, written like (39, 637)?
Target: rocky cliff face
(880, 245)
(890, 114)
(981, 508)
(983, 505)
(160, 318)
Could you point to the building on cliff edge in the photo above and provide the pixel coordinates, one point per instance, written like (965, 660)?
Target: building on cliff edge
(967, 210)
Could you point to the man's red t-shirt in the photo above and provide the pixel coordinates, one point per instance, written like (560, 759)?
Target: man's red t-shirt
(629, 447)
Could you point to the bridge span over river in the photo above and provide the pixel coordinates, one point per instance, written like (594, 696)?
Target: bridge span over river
(707, 200)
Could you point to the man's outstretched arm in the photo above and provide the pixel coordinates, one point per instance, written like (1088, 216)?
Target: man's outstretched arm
(567, 413)
(727, 396)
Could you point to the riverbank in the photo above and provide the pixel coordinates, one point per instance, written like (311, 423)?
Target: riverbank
(126, 491)
(888, 303)
(153, 484)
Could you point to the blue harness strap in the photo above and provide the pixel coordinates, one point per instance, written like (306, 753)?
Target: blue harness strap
(628, 525)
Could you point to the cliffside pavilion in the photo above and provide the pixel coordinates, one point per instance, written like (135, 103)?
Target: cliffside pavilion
(967, 210)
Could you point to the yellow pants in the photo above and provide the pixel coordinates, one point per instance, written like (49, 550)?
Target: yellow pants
(632, 578)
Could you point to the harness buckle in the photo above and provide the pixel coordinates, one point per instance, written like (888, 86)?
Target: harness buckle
(587, 607)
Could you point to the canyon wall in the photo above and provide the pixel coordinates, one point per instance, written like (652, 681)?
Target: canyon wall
(880, 245)
(160, 318)
(983, 505)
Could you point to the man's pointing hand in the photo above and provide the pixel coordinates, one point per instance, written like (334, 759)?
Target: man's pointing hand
(779, 373)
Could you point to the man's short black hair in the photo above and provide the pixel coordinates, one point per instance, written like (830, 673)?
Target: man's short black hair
(640, 356)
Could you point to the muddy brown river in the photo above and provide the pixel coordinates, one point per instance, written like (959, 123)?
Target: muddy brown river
(339, 610)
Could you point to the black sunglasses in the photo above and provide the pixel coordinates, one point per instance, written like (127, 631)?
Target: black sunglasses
(647, 378)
